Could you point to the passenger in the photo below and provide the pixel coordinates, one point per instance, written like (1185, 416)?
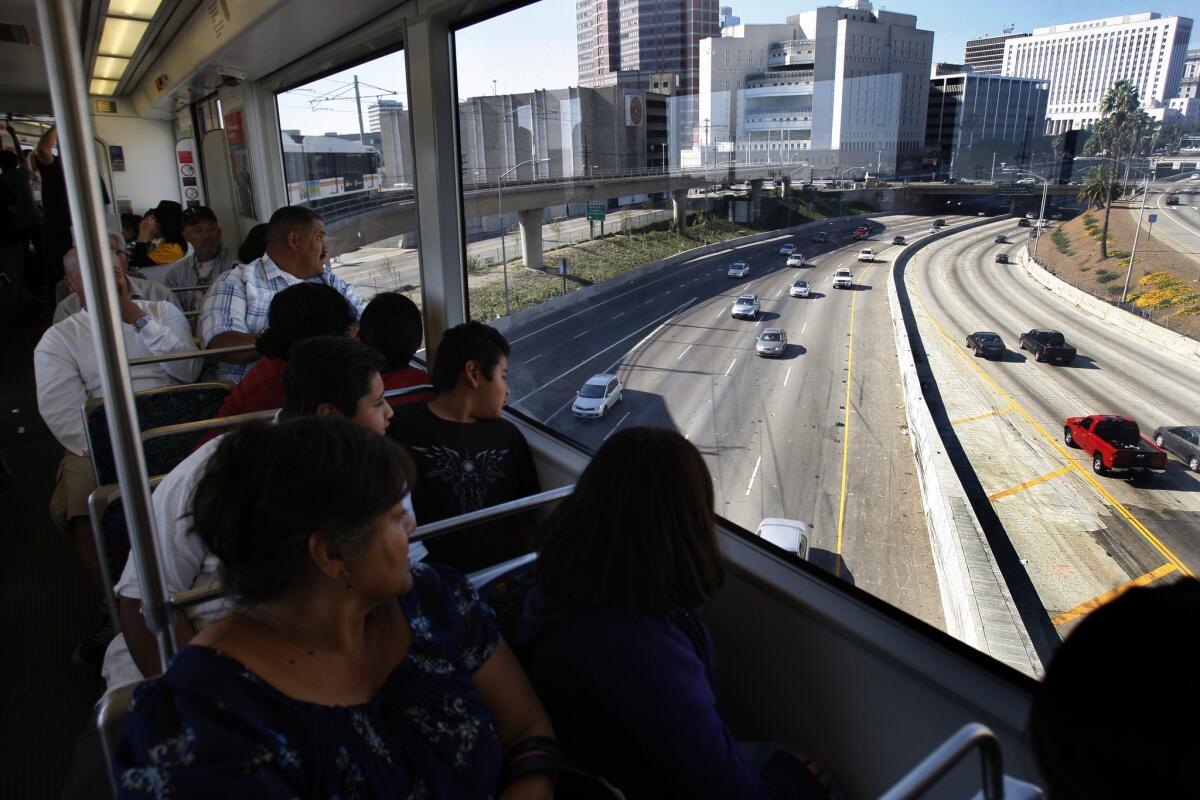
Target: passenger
(254, 245)
(298, 312)
(234, 311)
(391, 323)
(56, 211)
(612, 635)
(160, 236)
(26, 218)
(139, 289)
(67, 374)
(207, 261)
(326, 375)
(341, 671)
(130, 225)
(467, 456)
(1097, 734)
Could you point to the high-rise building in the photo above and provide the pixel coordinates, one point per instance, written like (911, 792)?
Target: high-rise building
(1082, 60)
(1189, 85)
(985, 55)
(727, 19)
(977, 121)
(390, 118)
(837, 88)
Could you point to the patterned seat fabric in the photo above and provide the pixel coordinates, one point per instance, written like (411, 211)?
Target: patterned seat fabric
(115, 535)
(506, 596)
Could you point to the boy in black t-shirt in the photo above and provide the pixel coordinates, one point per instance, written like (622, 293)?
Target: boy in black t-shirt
(467, 456)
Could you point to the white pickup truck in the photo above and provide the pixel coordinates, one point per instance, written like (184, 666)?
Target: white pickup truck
(843, 279)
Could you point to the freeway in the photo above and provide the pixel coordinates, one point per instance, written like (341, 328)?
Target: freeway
(1080, 536)
(817, 435)
(1178, 224)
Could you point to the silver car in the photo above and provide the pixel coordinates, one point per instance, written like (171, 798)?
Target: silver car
(597, 396)
(746, 307)
(738, 269)
(771, 342)
(1183, 442)
(789, 535)
(787, 249)
(799, 289)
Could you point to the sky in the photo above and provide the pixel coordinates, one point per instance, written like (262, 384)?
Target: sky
(534, 48)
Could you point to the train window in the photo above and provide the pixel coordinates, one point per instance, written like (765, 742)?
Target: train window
(347, 155)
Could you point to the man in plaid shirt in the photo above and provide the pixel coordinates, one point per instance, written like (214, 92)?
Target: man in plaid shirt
(235, 310)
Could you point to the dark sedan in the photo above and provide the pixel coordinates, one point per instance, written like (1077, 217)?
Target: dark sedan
(820, 237)
(1023, 223)
(986, 344)
(1183, 442)
(1001, 258)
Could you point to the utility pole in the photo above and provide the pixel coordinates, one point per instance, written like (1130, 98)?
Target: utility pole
(1136, 231)
(362, 135)
(993, 178)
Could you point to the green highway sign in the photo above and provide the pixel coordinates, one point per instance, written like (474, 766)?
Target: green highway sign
(1014, 189)
(596, 212)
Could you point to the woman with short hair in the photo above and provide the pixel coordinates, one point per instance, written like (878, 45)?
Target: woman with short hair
(391, 323)
(342, 671)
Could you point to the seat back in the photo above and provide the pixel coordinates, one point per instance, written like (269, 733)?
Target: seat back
(111, 537)
(156, 408)
(111, 713)
(409, 394)
(504, 587)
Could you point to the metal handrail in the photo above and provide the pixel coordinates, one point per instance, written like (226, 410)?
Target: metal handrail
(190, 354)
(215, 590)
(931, 769)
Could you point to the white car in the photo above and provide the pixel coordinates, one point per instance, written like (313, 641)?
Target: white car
(771, 342)
(597, 396)
(787, 249)
(843, 279)
(866, 254)
(745, 307)
(796, 260)
(790, 535)
(738, 269)
(799, 289)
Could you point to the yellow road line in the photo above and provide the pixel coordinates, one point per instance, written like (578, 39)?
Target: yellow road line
(837, 569)
(1116, 504)
(1020, 487)
(978, 417)
(1096, 602)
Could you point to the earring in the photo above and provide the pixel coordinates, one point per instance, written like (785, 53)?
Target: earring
(345, 575)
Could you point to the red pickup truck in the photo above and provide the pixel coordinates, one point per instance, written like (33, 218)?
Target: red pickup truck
(1114, 443)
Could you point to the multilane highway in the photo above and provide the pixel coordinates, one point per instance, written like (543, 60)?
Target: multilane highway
(817, 435)
(1080, 536)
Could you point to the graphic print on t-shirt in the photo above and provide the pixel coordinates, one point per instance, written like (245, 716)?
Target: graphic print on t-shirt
(470, 477)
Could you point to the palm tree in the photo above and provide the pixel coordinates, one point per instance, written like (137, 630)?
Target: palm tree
(1098, 193)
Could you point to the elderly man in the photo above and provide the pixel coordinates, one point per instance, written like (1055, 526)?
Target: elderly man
(67, 375)
(139, 289)
(234, 311)
(207, 261)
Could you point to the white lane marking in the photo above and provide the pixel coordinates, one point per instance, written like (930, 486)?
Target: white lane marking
(648, 302)
(720, 312)
(614, 427)
(753, 475)
(788, 375)
(805, 325)
(614, 316)
(781, 288)
(580, 335)
(535, 358)
(562, 375)
(684, 353)
(731, 363)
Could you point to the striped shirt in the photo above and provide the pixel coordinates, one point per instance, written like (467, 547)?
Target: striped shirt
(186, 272)
(238, 302)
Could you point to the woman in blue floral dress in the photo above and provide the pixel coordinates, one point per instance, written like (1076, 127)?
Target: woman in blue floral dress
(321, 684)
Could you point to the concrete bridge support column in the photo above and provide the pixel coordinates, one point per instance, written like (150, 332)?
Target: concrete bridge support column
(531, 236)
(679, 199)
(755, 198)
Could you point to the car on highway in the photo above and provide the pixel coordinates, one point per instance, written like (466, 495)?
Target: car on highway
(843, 278)
(1115, 444)
(738, 269)
(771, 342)
(898, 240)
(861, 232)
(1000, 239)
(1172, 200)
(986, 344)
(938, 223)
(1030, 215)
(787, 249)
(1023, 222)
(800, 289)
(1183, 441)
(597, 396)
(1001, 258)
(790, 535)
(866, 254)
(796, 260)
(820, 237)
(1048, 345)
(745, 307)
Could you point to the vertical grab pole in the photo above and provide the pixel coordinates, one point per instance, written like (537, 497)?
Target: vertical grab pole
(64, 68)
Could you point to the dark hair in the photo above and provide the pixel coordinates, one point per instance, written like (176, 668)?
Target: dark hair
(1096, 731)
(169, 216)
(328, 369)
(638, 534)
(471, 341)
(254, 245)
(288, 220)
(301, 311)
(391, 323)
(131, 221)
(268, 488)
(9, 160)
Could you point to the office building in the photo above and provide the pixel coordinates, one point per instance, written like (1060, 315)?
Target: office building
(838, 88)
(727, 18)
(1189, 85)
(976, 121)
(1082, 60)
(390, 119)
(985, 55)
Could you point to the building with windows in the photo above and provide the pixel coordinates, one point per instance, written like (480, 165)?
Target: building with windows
(1190, 83)
(976, 121)
(1081, 60)
(985, 55)
(837, 88)
(390, 119)
(727, 19)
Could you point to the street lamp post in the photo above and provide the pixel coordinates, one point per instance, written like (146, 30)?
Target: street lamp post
(1136, 232)
(503, 232)
(1042, 211)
